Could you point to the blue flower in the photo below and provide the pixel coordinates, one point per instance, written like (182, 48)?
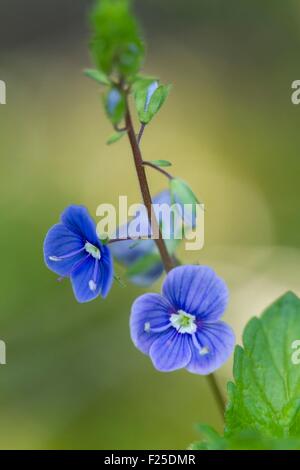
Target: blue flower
(129, 252)
(72, 249)
(181, 328)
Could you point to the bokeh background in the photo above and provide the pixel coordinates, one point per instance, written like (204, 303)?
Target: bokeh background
(73, 379)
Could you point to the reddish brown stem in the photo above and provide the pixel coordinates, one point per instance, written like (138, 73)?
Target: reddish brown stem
(141, 174)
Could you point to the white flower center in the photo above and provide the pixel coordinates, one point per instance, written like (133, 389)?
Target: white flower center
(92, 250)
(184, 322)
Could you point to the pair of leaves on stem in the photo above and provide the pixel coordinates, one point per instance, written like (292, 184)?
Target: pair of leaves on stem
(263, 410)
(149, 96)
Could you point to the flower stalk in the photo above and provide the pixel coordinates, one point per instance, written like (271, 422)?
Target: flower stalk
(214, 387)
(157, 168)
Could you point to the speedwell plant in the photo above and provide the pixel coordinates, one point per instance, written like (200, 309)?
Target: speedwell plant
(182, 326)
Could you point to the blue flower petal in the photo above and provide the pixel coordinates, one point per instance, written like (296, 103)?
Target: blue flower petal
(196, 290)
(106, 270)
(148, 277)
(129, 251)
(149, 311)
(81, 279)
(78, 220)
(163, 197)
(216, 342)
(59, 242)
(170, 351)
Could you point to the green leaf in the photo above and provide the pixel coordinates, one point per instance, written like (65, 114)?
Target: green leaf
(211, 439)
(157, 100)
(181, 191)
(115, 104)
(140, 82)
(140, 90)
(245, 440)
(149, 98)
(142, 265)
(161, 163)
(98, 76)
(115, 137)
(265, 395)
(182, 194)
(116, 45)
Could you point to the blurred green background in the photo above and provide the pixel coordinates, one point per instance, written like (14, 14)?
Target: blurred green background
(73, 379)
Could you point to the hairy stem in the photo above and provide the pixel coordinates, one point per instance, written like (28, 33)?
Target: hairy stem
(216, 393)
(141, 174)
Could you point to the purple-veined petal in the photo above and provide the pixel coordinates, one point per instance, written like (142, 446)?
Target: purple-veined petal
(61, 242)
(106, 270)
(78, 220)
(196, 290)
(170, 351)
(148, 312)
(86, 282)
(211, 346)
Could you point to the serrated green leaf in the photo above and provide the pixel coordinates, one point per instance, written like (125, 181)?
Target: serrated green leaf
(265, 395)
(245, 440)
(143, 264)
(161, 163)
(212, 439)
(115, 137)
(98, 76)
